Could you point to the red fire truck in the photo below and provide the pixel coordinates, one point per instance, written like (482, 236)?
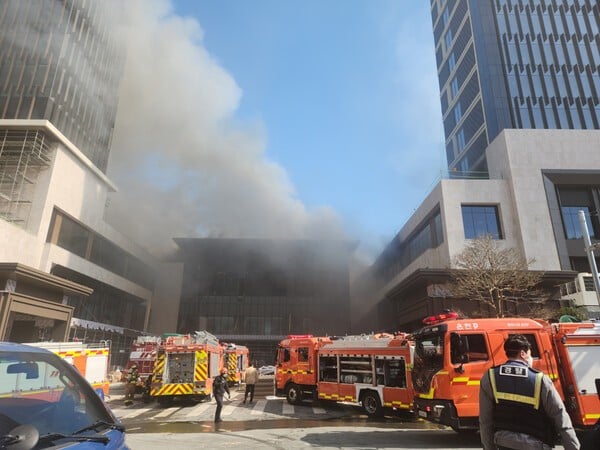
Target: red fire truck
(452, 354)
(185, 367)
(143, 354)
(373, 370)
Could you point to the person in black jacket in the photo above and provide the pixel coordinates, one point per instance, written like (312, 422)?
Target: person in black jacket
(220, 387)
(519, 407)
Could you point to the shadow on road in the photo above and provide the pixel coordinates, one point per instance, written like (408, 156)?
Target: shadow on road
(392, 439)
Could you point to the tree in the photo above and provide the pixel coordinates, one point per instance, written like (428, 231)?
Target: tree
(497, 277)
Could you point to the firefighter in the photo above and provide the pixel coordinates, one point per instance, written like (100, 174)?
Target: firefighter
(220, 386)
(519, 407)
(133, 378)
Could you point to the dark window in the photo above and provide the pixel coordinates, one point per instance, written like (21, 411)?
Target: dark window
(302, 354)
(73, 237)
(477, 348)
(481, 220)
(535, 351)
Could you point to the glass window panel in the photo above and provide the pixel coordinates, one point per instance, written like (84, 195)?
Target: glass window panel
(570, 215)
(73, 237)
(451, 61)
(454, 87)
(481, 220)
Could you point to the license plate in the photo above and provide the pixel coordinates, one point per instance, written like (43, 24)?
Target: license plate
(422, 413)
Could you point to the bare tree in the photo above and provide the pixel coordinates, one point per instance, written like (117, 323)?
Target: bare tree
(499, 278)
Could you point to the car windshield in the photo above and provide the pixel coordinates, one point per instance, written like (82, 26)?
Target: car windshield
(429, 358)
(44, 391)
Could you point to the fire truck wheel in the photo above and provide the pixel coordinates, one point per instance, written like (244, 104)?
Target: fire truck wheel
(371, 405)
(293, 394)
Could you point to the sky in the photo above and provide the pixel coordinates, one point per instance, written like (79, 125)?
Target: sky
(276, 118)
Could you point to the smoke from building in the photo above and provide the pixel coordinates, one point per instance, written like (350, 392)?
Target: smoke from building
(184, 166)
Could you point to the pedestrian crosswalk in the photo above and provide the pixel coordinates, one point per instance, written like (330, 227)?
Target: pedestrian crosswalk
(271, 407)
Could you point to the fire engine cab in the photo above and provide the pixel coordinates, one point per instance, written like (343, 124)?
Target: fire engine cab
(373, 370)
(451, 356)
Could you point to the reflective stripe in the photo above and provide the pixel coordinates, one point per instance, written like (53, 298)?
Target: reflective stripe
(533, 401)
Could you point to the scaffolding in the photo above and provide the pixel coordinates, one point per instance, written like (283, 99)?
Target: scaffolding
(23, 155)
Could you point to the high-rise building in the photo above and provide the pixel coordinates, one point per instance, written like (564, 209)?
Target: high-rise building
(64, 271)
(524, 64)
(519, 83)
(62, 62)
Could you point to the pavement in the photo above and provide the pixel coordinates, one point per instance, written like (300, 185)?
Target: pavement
(325, 438)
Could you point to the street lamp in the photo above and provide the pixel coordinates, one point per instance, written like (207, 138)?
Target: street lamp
(589, 251)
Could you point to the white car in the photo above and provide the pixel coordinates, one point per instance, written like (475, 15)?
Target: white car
(266, 370)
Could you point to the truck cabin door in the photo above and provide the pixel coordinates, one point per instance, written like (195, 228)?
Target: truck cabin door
(305, 361)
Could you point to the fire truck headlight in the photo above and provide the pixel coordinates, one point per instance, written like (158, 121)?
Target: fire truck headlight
(437, 411)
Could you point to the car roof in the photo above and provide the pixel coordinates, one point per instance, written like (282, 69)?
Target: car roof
(14, 347)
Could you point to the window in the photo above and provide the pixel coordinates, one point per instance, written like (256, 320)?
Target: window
(535, 351)
(460, 140)
(570, 215)
(457, 112)
(481, 220)
(451, 62)
(302, 354)
(454, 87)
(448, 39)
(446, 16)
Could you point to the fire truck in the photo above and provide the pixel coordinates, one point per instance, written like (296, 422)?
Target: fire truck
(185, 366)
(91, 360)
(143, 354)
(373, 370)
(451, 356)
(236, 361)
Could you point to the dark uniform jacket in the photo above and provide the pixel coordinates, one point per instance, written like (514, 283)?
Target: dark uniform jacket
(521, 405)
(220, 386)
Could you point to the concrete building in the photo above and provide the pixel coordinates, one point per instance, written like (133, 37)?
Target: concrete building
(519, 89)
(254, 292)
(65, 272)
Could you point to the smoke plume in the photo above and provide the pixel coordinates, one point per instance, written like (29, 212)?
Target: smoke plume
(185, 166)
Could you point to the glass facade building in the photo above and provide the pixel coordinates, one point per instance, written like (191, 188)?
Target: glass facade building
(61, 62)
(254, 292)
(525, 64)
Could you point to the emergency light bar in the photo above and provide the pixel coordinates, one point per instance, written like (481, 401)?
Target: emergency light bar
(447, 315)
(299, 336)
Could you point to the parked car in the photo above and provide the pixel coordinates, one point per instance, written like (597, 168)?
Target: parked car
(46, 403)
(266, 370)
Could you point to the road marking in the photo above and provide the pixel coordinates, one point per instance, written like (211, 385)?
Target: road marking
(135, 413)
(227, 410)
(167, 412)
(199, 409)
(288, 409)
(259, 408)
(317, 410)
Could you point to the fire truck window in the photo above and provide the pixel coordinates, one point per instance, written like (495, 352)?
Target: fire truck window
(302, 354)
(328, 368)
(396, 370)
(535, 350)
(285, 355)
(477, 348)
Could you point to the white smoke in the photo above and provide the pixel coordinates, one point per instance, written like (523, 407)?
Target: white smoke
(184, 165)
